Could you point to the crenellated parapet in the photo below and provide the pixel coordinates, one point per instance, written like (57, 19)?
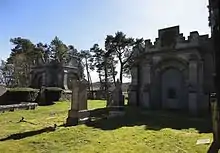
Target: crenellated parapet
(171, 38)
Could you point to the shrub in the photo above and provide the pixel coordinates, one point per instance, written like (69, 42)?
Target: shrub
(49, 95)
(17, 95)
(53, 93)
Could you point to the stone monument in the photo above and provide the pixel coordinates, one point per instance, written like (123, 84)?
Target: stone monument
(173, 73)
(116, 98)
(78, 101)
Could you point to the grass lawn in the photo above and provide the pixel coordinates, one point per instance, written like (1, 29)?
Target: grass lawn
(148, 132)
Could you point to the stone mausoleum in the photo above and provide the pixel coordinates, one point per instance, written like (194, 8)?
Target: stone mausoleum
(52, 74)
(174, 72)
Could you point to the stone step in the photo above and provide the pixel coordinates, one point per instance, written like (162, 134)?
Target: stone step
(13, 107)
(116, 113)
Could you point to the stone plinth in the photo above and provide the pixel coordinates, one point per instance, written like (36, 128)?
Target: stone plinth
(73, 118)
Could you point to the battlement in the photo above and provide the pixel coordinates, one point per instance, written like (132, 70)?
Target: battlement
(171, 38)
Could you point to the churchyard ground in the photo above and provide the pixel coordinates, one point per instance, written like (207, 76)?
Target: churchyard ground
(152, 131)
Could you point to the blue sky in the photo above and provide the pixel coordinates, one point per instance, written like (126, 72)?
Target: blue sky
(85, 22)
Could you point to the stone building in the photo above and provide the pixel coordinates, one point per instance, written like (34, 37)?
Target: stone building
(173, 73)
(52, 74)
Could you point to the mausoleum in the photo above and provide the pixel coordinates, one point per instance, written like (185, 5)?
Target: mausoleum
(52, 74)
(174, 72)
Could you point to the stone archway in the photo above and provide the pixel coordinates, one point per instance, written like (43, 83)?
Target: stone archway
(169, 88)
(172, 89)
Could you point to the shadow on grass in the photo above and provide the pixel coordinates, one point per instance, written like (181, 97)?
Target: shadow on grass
(154, 120)
(23, 135)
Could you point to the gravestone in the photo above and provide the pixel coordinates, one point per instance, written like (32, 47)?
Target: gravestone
(116, 98)
(82, 95)
(78, 101)
(73, 112)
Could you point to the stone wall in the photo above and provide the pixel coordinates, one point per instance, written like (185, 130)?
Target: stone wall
(171, 50)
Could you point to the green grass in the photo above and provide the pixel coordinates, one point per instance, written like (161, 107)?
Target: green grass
(152, 131)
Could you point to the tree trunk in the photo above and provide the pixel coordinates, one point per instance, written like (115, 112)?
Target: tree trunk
(106, 83)
(214, 14)
(113, 73)
(100, 80)
(87, 71)
(91, 82)
(121, 72)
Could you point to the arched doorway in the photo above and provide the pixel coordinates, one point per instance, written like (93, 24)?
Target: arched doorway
(172, 89)
(169, 87)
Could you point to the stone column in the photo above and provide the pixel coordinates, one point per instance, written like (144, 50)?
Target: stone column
(203, 99)
(65, 79)
(44, 81)
(73, 112)
(133, 88)
(145, 83)
(193, 87)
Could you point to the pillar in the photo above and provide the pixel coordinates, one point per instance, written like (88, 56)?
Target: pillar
(193, 87)
(144, 84)
(65, 79)
(133, 88)
(44, 81)
(203, 99)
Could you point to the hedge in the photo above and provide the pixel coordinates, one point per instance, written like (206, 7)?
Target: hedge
(49, 95)
(53, 93)
(18, 95)
(44, 96)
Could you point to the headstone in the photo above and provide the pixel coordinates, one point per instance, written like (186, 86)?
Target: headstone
(78, 102)
(117, 98)
(82, 95)
(73, 112)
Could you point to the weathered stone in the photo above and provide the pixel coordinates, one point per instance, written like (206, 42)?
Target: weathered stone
(117, 98)
(83, 95)
(25, 106)
(78, 102)
(52, 74)
(174, 73)
(73, 118)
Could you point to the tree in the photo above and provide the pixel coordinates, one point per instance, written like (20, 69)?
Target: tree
(72, 51)
(120, 46)
(97, 62)
(6, 74)
(22, 56)
(59, 50)
(103, 65)
(138, 48)
(86, 55)
(43, 53)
